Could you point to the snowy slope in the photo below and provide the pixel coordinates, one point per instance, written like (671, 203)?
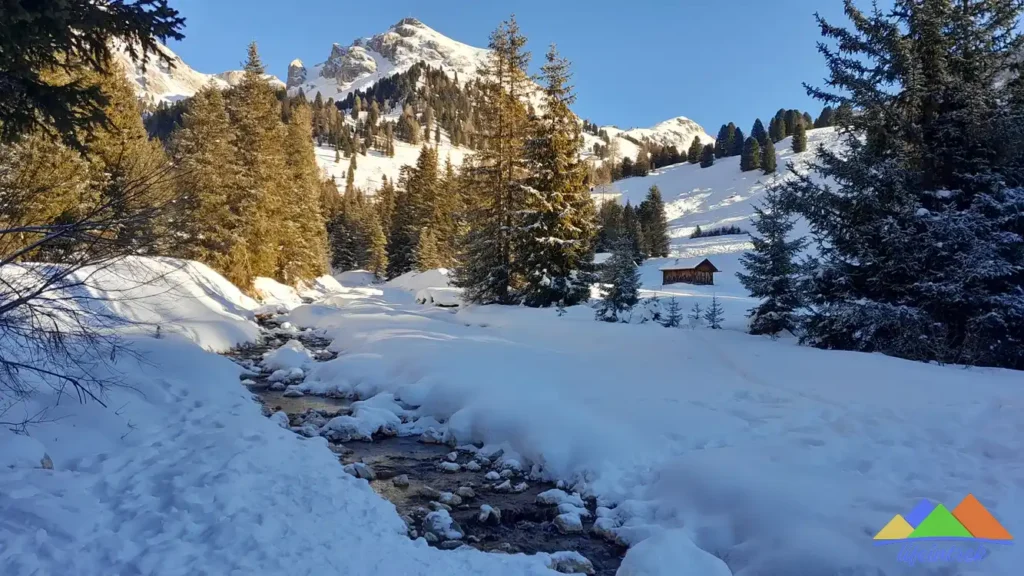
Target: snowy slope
(716, 196)
(367, 60)
(776, 458)
(163, 82)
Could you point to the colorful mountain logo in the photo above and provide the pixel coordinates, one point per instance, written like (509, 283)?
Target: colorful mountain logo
(929, 520)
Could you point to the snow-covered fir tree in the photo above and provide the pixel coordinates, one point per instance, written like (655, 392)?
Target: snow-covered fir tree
(556, 225)
(620, 284)
(771, 269)
(921, 239)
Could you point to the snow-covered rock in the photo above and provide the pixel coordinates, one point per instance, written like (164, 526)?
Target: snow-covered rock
(605, 528)
(296, 74)
(443, 297)
(449, 466)
(504, 487)
(571, 562)
(466, 492)
(473, 466)
(450, 499)
(492, 476)
(293, 392)
(401, 481)
(440, 524)
(291, 355)
(361, 470)
(489, 515)
(554, 497)
(568, 523)
(281, 418)
(671, 553)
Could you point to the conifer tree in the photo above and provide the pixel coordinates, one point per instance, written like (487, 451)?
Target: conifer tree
(556, 245)
(350, 176)
(487, 269)
(824, 119)
(609, 217)
(707, 158)
(771, 271)
(921, 227)
(643, 163)
(653, 224)
(751, 157)
(255, 113)
(377, 254)
(781, 130)
(673, 314)
(714, 315)
(304, 249)
(758, 132)
(427, 255)
(632, 235)
(385, 204)
(696, 315)
(800, 137)
(415, 211)
(768, 159)
(694, 153)
(209, 176)
(737, 143)
(723, 143)
(620, 284)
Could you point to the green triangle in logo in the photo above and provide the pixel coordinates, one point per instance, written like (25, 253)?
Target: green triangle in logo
(940, 524)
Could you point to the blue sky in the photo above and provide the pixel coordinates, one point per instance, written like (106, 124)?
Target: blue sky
(636, 62)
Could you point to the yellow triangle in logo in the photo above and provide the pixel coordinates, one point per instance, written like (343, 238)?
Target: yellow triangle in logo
(896, 529)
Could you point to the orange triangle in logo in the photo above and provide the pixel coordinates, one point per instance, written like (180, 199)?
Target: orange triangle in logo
(978, 521)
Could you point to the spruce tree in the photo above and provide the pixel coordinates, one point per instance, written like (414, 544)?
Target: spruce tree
(673, 314)
(696, 315)
(800, 137)
(738, 142)
(714, 315)
(694, 153)
(556, 242)
(255, 113)
(609, 218)
(707, 158)
(751, 157)
(771, 272)
(414, 212)
(488, 271)
(427, 255)
(824, 119)
(768, 159)
(653, 224)
(920, 225)
(304, 248)
(377, 253)
(781, 130)
(620, 284)
(723, 143)
(758, 132)
(632, 235)
(208, 174)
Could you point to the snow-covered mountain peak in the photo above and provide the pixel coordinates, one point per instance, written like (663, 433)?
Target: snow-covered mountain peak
(163, 82)
(367, 60)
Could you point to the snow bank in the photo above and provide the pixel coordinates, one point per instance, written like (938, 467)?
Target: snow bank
(671, 553)
(273, 293)
(416, 281)
(444, 297)
(356, 278)
(319, 287)
(171, 296)
(182, 474)
(712, 430)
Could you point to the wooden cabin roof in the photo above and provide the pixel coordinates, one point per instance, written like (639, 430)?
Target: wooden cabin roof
(702, 264)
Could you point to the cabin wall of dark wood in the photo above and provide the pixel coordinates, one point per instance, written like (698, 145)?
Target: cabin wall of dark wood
(688, 276)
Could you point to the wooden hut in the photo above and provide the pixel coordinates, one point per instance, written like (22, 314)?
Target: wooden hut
(702, 272)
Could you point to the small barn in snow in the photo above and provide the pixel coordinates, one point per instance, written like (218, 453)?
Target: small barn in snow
(689, 272)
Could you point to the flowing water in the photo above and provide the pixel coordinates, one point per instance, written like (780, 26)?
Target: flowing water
(412, 474)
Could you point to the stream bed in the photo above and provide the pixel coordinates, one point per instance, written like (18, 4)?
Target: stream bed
(451, 496)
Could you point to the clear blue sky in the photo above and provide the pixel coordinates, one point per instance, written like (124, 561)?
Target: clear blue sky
(635, 62)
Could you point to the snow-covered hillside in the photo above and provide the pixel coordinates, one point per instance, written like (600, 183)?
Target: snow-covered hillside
(374, 165)
(368, 60)
(716, 196)
(163, 82)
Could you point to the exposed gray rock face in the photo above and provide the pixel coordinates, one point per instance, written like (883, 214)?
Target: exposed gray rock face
(296, 74)
(347, 64)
